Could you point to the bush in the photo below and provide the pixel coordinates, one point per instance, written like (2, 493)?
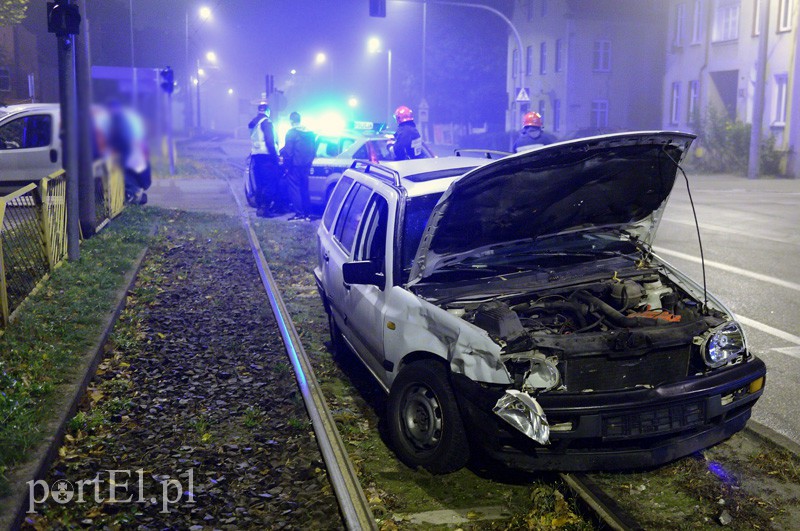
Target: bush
(723, 146)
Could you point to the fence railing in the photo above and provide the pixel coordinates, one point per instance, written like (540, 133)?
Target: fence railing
(33, 230)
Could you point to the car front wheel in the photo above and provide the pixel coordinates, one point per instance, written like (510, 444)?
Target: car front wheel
(425, 426)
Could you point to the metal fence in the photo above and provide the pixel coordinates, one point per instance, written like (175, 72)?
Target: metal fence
(33, 231)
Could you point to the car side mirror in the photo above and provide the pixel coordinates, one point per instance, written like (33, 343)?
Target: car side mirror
(363, 272)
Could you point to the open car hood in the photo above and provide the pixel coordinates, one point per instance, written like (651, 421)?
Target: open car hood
(617, 182)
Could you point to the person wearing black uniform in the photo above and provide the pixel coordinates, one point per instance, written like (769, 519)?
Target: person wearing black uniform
(264, 160)
(407, 140)
(298, 154)
(532, 135)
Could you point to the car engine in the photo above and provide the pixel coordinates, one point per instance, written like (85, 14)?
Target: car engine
(601, 336)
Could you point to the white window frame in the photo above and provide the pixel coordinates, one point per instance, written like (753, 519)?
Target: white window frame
(514, 63)
(756, 18)
(542, 58)
(680, 24)
(600, 113)
(675, 103)
(601, 61)
(697, 22)
(781, 99)
(785, 16)
(692, 102)
(726, 20)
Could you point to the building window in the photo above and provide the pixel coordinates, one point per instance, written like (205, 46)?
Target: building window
(543, 58)
(756, 18)
(692, 102)
(680, 22)
(541, 108)
(602, 56)
(559, 55)
(544, 8)
(529, 13)
(780, 92)
(514, 63)
(5, 80)
(556, 115)
(726, 20)
(785, 15)
(528, 60)
(674, 103)
(600, 114)
(697, 22)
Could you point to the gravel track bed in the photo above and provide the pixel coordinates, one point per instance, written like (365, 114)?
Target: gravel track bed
(195, 386)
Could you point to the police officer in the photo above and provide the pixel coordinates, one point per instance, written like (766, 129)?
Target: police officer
(532, 134)
(407, 140)
(264, 160)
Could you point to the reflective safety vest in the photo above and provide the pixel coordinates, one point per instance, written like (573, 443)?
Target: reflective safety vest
(257, 137)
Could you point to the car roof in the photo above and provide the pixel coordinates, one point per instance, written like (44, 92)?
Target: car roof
(23, 107)
(423, 176)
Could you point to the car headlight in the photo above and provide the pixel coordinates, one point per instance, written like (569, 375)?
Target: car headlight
(525, 414)
(725, 343)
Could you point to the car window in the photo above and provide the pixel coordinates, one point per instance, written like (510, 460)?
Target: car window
(336, 199)
(27, 132)
(382, 149)
(418, 210)
(361, 153)
(350, 215)
(372, 240)
(346, 143)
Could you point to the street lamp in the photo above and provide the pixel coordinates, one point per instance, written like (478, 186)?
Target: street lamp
(374, 46)
(204, 14)
(211, 57)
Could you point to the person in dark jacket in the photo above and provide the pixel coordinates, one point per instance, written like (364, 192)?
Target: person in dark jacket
(264, 160)
(298, 153)
(532, 134)
(407, 140)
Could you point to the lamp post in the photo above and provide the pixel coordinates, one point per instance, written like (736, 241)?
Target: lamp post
(211, 57)
(204, 14)
(374, 46)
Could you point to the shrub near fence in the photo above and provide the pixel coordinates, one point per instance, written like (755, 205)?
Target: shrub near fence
(33, 231)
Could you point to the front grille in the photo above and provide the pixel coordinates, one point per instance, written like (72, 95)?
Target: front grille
(655, 421)
(606, 373)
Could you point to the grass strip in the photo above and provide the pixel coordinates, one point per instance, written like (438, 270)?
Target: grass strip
(42, 348)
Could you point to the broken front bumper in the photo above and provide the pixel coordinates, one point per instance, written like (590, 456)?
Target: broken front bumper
(620, 429)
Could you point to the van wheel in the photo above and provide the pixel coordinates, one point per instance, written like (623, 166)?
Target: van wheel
(424, 423)
(338, 346)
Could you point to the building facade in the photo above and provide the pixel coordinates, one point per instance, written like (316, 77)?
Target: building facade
(711, 61)
(19, 65)
(588, 66)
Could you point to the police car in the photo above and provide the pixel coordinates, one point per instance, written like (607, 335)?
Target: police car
(335, 153)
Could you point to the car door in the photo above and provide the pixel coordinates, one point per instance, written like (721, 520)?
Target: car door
(365, 303)
(29, 148)
(339, 250)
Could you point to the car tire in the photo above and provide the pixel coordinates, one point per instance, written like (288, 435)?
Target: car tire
(250, 186)
(424, 423)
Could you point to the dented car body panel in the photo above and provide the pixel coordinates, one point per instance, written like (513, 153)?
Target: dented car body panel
(568, 344)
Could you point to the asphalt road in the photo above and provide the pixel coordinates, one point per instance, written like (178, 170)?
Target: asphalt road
(751, 243)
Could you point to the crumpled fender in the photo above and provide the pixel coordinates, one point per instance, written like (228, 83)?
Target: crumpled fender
(421, 326)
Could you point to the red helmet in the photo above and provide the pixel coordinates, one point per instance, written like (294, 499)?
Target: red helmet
(532, 119)
(403, 114)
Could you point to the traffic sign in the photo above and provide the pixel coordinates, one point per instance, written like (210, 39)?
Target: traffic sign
(522, 95)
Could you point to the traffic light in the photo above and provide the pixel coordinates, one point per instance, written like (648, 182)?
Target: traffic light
(167, 80)
(377, 8)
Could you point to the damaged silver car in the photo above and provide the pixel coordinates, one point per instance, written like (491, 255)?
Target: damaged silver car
(515, 307)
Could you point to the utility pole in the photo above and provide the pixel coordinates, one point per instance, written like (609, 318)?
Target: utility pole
(758, 98)
(64, 19)
(86, 184)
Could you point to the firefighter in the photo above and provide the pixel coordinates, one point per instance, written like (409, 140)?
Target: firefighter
(407, 140)
(264, 161)
(532, 134)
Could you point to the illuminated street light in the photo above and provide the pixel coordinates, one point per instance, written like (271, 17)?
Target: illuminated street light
(211, 57)
(374, 46)
(293, 71)
(352, 102)
(205, 13)
(230, 91)
(321, 58)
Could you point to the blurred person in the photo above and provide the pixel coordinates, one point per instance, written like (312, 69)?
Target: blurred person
(264, 161)
(298, 154)
(407, 140)
(127, 138)
(532, 134)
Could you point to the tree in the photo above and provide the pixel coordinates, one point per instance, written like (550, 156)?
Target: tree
(13, 11)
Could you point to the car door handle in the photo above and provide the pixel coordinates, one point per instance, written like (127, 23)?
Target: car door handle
(325, 256)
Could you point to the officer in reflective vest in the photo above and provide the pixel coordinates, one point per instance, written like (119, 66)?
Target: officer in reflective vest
(264, 160)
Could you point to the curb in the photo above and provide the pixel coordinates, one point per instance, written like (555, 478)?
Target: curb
(773, 437)
(46, 452)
